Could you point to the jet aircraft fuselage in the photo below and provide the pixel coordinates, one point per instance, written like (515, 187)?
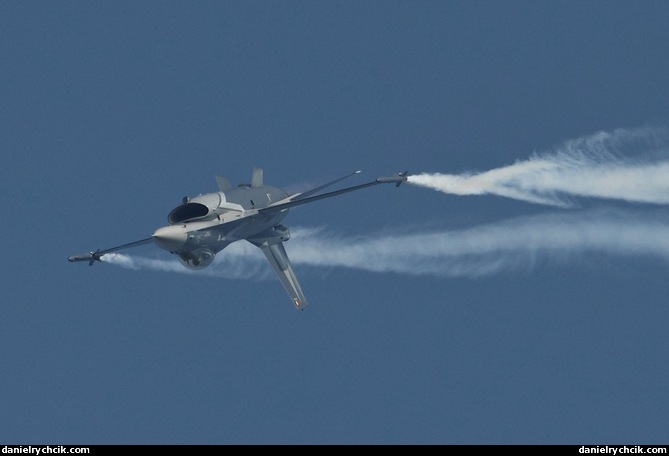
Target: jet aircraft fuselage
(204, 225)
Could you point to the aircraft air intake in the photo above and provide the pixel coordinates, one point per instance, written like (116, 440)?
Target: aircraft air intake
(197, 259)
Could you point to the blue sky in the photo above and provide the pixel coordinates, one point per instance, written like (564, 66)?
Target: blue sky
(113, 111)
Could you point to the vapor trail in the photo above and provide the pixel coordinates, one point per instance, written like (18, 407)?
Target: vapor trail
(240, 260)
(627, 165)
(514, 245)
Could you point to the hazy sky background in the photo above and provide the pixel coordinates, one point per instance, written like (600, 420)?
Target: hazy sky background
(435, 318)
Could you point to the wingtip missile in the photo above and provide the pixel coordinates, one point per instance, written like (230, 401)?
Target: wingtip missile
(91, 257)
(397, 180)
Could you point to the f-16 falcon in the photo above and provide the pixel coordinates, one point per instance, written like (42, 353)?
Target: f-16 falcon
(204, 225)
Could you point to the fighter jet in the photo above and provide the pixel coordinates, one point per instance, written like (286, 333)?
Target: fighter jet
(204, 225)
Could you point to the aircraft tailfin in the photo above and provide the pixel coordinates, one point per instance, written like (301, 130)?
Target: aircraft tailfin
(257, 177)
(223, 183)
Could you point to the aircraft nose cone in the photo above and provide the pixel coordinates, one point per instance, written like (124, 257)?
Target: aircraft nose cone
(170, 238)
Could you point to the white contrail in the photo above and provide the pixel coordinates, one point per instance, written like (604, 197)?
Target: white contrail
(240, 260)
(518, 244)
(627, 165)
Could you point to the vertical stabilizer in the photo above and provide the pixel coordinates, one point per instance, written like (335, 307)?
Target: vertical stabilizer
(223, 183)
(256, 178)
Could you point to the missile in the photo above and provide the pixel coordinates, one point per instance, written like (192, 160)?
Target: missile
(397, 180)
(91, 257)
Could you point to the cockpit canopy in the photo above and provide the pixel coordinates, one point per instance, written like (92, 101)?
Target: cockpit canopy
(188, 211)
(196, 208)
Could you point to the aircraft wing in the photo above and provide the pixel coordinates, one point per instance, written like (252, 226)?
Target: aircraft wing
(92, 257)
(308, 197)
(313, 191)
(277, 257)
